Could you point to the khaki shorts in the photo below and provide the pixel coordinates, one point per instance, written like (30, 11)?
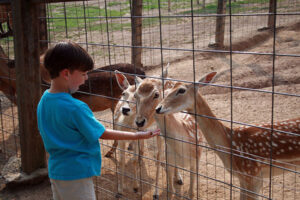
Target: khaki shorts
(81, 189)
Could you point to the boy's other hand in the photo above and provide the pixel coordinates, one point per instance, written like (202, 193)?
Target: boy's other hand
(148, 134)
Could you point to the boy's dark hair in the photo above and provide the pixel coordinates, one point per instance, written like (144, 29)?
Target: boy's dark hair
(67, 55)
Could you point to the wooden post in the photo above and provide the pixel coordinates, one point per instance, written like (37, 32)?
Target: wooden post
(271, 18)
(26, 43)
(136, 27)
(220, 24)
(43, 38)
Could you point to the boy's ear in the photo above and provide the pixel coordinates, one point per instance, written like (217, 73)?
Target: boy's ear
(64, 73)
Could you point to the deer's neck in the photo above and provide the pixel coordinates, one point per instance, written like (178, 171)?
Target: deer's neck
(214, 131)
(164, 120)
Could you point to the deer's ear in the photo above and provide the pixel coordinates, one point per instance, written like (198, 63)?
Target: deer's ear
(165, 72)
(121, 80)
(208, 78)
(138, 80)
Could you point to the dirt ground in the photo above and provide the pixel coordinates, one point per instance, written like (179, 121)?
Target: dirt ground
(249, 106)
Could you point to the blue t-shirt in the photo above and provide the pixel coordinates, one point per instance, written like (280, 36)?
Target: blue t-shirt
(70, 133)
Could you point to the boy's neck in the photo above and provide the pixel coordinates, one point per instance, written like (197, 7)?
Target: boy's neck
(58, 86)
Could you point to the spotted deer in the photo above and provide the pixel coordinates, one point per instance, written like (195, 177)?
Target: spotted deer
(179, 130)
(253, 148)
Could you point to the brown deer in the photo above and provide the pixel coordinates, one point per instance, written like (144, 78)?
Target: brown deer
(100, 91)
(254, 148)
(179, 131)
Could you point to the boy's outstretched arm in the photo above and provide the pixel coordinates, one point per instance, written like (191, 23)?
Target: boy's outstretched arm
(110, 134)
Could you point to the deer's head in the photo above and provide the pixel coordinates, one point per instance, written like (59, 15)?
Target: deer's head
(148, 95)
(182, 96)
(126, 105)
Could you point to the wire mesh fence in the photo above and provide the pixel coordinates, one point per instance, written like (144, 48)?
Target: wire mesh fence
(257, 83)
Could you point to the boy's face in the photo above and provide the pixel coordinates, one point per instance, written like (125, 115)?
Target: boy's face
(75, 79)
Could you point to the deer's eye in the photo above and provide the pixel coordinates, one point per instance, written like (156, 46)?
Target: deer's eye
(123, 94)
(180, 91)
(156, 95)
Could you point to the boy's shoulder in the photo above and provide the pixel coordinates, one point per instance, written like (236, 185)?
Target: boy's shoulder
(64, 100)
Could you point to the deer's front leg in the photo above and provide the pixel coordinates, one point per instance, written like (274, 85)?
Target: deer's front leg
(136, 165)
(122, 168)
(112, 150)
(159, 150)
(252, 184)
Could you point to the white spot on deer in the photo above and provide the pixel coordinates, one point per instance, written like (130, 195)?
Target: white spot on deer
(286, 127)
(282, 141)
(268, 144)
(250, 140)
(275, 135)
(239, 135)
(277, 152)
(255, 151)
(294, 142)
(255, 169)
(290, 148)
(233, 143)
(274, 144)
(282, 150)
(191, 134)
(260, 144)
(255, 144)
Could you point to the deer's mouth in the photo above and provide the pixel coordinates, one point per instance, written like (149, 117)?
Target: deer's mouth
(161, 110)
(140, 123)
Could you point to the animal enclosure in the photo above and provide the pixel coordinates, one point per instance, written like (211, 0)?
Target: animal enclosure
(253, 45)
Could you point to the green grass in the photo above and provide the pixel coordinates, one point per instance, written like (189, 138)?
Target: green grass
(92, 16)
(78, 17)
(236, 7)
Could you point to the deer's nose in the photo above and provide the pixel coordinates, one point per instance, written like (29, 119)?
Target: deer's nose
(158, 110)
(125, 111)
(141, 123)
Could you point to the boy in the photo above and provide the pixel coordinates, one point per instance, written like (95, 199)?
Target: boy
(69, 130)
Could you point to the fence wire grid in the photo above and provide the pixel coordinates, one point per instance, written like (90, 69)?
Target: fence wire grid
(257, 83)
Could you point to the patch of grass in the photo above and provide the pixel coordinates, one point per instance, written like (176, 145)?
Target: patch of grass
(235, 6)
(78, 16)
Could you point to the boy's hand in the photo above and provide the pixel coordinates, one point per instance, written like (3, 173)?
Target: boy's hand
(148, 134)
